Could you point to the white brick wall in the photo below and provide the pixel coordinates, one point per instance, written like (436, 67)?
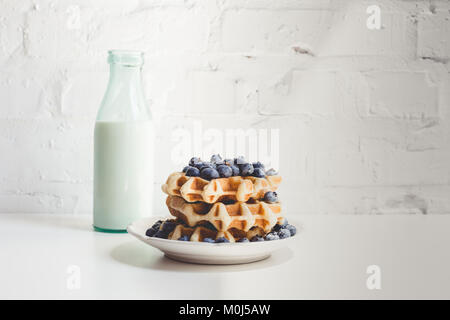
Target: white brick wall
(363, 114)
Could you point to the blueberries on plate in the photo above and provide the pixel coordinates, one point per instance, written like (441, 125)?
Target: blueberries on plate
(277, 227)
(224, 171)
(151, 232)
(168, 226)
(222, 240)
(209, 173)
(270, 196)
(210, 240)
(272, 236)
(259, 173)
(246, 169)
(292, 229)
(153, 229)
(192, 172)
(184, 238)
(157, 224)
(284, 233)
(161, 234)
(257, 239)
(271, 172)
(243, 240)
(235, 170)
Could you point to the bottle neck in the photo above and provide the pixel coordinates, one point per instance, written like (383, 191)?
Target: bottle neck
(126, 75)
(124, 99)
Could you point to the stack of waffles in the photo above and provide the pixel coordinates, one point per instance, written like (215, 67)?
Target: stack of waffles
(232, 208)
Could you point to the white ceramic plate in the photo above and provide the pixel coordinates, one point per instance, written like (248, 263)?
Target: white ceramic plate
(206, 253)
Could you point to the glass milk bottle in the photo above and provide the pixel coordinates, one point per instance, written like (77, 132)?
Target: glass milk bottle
(123, 147)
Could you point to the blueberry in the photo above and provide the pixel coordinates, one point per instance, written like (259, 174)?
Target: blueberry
(271, 172)
(157, 224)
(194, 161)
(168, 226)
(184, 238)
(154, 228)
(259, 173)
(222, 240)
(284, 233)
(271, 236)
(198, 165)
(224, 171)
(186, 168)
(161, 234)
(257, 239)
(208, 240)
(209, 173)
(240, 160)
(206, 165)
(277, 227)
(258, 165)
(192, 172)
(270, 196)
(243, 240)
(212, 165)
(150, 232)
(246, 169)
(292, 229)
(235, 170)
(217, 159)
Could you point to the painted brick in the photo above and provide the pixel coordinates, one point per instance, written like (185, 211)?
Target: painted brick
(301, 92)
(82, 98)
(383, 200)
(318, 32)
(348, 34)
(23, 97)
(402, 95)
(362, 115)
(48, 36)
(272, 31)
(391, 166)
(433, 36)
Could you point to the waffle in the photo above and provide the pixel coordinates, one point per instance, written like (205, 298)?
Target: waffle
(236, 188)
(199, 233)
(238, 215)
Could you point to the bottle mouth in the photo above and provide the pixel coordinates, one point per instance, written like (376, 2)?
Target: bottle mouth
(127, 58)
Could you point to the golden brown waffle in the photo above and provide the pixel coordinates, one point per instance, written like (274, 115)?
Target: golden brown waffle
(236, 188)
(238, 215)
(199, 233)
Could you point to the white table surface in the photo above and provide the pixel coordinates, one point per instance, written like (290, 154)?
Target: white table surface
(328, 259)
